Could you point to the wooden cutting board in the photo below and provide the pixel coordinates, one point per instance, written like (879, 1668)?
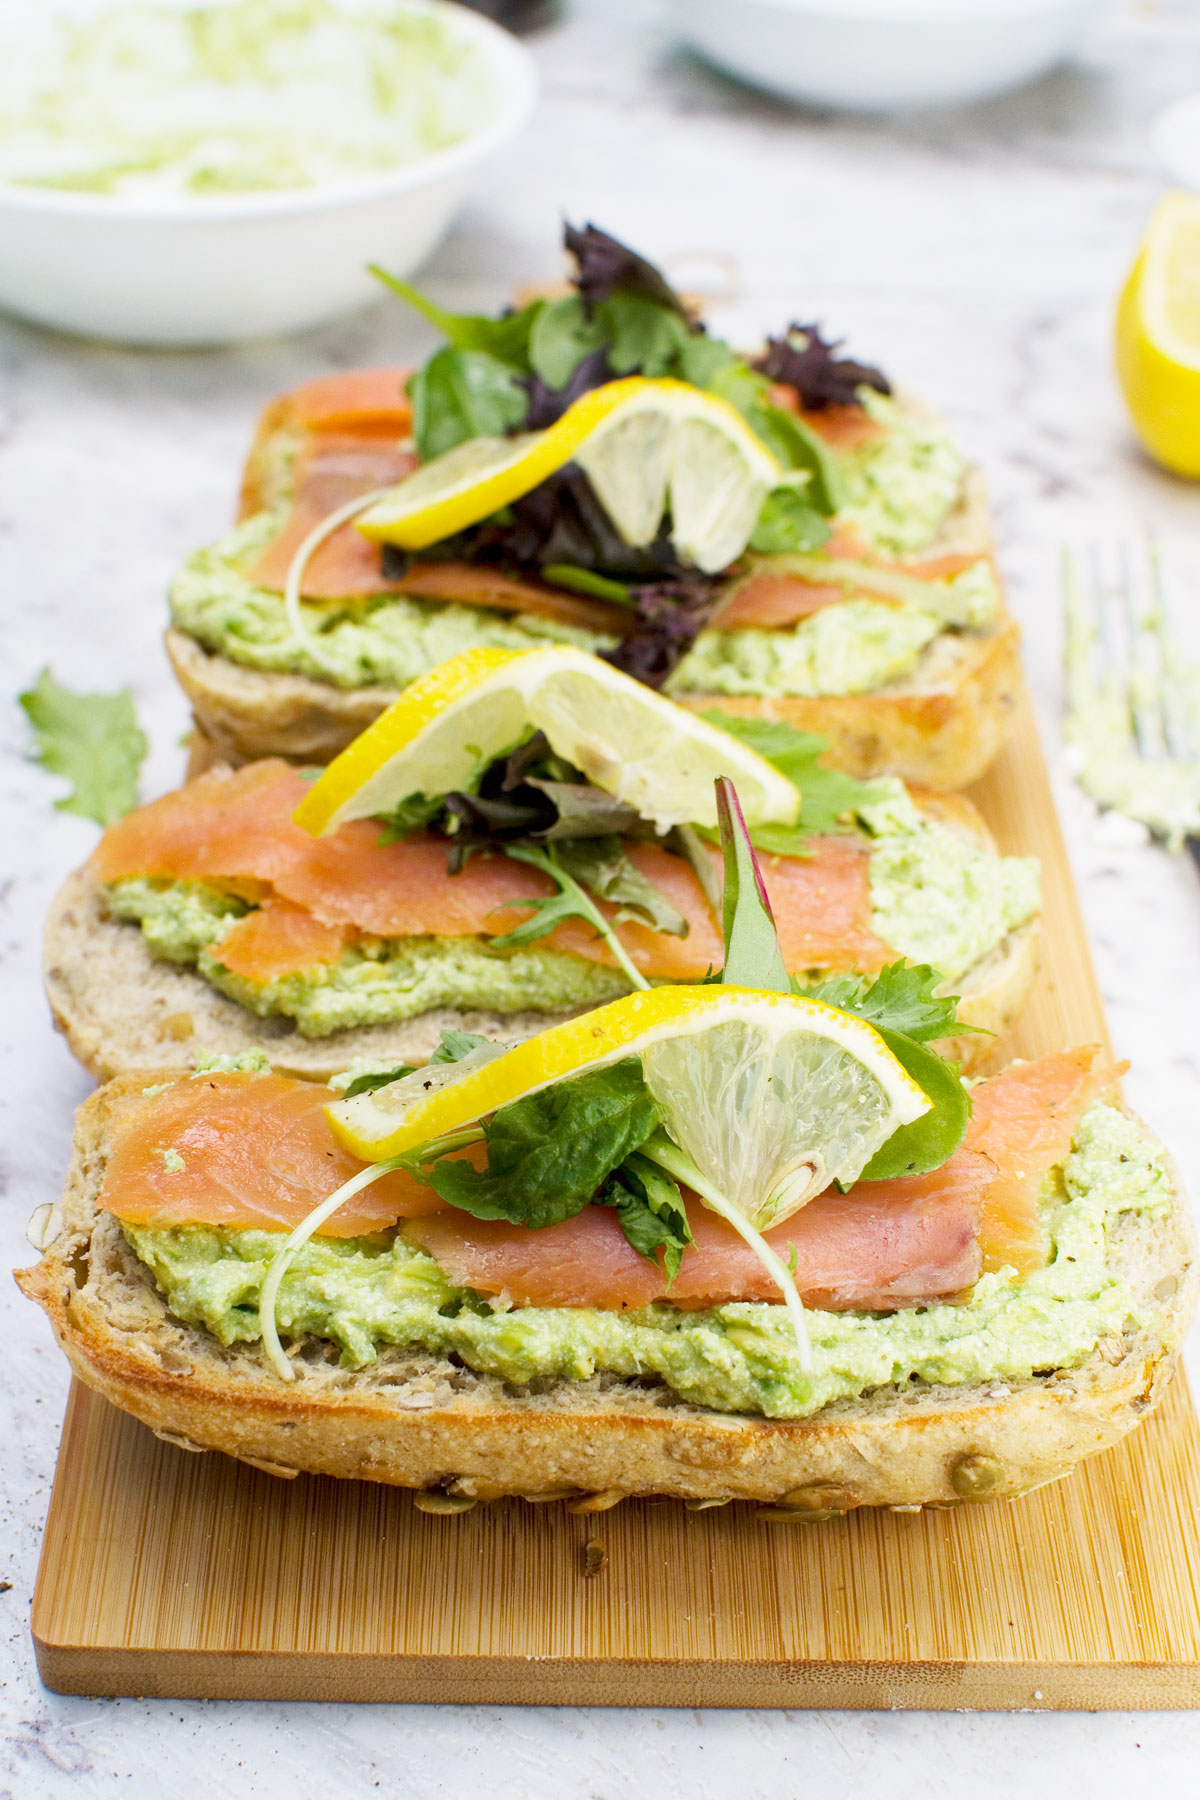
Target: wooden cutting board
(167, 1573)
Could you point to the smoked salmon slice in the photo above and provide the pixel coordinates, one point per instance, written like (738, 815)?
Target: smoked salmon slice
(253, 1152)
(279, 939)
(1021, 1126)
(236, 830)
(331, 469)
(773, 599)
(872, 1253)
(360, 400)
(882, 1245)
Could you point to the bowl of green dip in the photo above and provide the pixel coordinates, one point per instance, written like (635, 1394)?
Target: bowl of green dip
(206, 173)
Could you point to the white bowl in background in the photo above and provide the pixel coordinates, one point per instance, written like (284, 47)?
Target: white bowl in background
(217, 270)
(873, 55)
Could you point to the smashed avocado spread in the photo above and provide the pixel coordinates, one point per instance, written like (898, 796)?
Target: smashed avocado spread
(365, 1293)
(900, 488)
(935, 897)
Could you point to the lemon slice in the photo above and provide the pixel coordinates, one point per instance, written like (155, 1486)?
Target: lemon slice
(647, 446)
(1158, 336)
(772, 1096)
(643, 749)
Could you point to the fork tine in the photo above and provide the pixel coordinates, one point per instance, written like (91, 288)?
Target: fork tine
(1144, 679)
(1176, 726)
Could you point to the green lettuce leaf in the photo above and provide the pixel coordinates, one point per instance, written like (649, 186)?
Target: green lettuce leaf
(549, 1153)
(650, 1211)
(454, 1045)
(788, 522)
(94, 740)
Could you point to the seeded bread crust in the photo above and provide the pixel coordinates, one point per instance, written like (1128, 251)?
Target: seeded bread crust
(121, 1008)
(419, 1421)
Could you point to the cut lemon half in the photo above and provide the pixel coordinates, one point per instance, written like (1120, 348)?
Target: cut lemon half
(772, 1096)
(647, 447)
(449, 724)
(1158, 336)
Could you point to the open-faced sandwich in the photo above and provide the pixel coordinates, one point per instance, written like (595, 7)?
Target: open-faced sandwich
(717, 1241)
(521, 836)
(782, 533)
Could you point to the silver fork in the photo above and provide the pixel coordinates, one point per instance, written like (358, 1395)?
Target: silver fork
(1133, 698)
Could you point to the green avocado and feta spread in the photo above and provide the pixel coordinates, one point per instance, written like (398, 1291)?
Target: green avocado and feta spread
(936, 898)
(851, 647)
(365, 1294)
(150, 103)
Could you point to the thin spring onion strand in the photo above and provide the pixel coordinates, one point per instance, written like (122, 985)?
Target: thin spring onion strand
(668, 1156)
(300, 561)
(285, 1255)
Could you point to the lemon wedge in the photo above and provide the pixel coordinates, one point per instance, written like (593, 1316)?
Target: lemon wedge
(772, 1096)
(646, 446)
(633, 743)
(1158, 336)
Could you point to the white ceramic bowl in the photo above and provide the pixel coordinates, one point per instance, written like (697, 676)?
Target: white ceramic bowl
(217, 270)
(873, 55)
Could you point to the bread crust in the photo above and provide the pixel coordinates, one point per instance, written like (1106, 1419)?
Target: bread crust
(123, 1009)
(941, 728)
(416, 1421)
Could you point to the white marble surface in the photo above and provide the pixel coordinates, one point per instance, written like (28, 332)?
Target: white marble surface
(977, 255)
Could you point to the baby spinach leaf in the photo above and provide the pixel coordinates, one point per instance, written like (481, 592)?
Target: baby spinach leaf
(94, 740)
(563, 334)
(461, 394)
(930, 1140)
(601, 865)
(549, 1153)
(798, 446)
(901, 996)
(788, 522)
(367, 1084)
(641, 335)
(650, 1211)
(506, 338)
(753, 958)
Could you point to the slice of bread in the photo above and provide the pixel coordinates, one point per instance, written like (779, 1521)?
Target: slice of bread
(940, 727)
(415, 1420)
(121, 1008)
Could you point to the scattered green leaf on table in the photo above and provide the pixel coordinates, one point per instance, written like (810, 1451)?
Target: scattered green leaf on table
(93, 740)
